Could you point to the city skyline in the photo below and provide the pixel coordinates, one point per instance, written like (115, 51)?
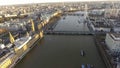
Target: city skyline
(12, 2)
(60, 34)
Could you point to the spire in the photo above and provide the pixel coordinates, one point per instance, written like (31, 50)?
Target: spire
(41, 33)
(27, 34)
(33, 26)
(86, 11)
(11, 38)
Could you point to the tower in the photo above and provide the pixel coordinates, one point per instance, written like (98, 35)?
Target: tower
(33, 26)
(11, 38)
(114, 10)
(86, 11)
(27, 34)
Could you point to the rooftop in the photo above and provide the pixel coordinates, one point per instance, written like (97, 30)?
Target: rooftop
(20, 42)
(115, 36)
(100, 22)
(115, 22)
(4, 53)
(97, 13)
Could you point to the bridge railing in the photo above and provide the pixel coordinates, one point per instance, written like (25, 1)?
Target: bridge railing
(68, 32)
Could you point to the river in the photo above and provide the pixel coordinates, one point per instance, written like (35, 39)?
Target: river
(63, 51)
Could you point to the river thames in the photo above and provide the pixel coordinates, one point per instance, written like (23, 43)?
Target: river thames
(63, 51)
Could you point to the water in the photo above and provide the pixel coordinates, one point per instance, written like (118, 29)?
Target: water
(70, 23)
(63, 51)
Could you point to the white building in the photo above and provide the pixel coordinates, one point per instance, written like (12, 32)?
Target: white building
(113, 43)
(116, 26)
(116, 29)
(98, 24)
(97, 12)
(104, 29)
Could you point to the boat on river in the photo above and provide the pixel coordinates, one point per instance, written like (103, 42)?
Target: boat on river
(82, 66)
(82, 52)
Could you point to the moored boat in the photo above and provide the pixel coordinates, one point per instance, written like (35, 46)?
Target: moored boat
(88, 66)
(82, 53)
(82, 66)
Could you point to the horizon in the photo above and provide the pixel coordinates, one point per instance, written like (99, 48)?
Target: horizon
(13, 2)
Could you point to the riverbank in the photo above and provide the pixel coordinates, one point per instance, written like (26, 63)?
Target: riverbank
(101, 46)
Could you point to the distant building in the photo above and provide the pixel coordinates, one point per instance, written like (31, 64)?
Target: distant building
(99, 24)
(115, 25)
(10, 26)
(97, 12)
(113, 43)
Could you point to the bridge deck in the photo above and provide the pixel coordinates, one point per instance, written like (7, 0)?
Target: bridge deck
(69, 32)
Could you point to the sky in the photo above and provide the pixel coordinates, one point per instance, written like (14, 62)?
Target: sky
(10, 2)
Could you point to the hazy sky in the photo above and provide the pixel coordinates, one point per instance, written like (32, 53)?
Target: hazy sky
(9, 2)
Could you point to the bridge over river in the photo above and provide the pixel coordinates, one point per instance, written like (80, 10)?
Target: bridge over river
(70, 25)
(68, 32)
(63, 51)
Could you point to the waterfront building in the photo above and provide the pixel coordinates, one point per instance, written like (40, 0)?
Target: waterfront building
(6, 56)
(16, 49)
(11, 54)
(97, 12)
(115, 25)
(98, 22)
(99, 25)
(113, 43)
